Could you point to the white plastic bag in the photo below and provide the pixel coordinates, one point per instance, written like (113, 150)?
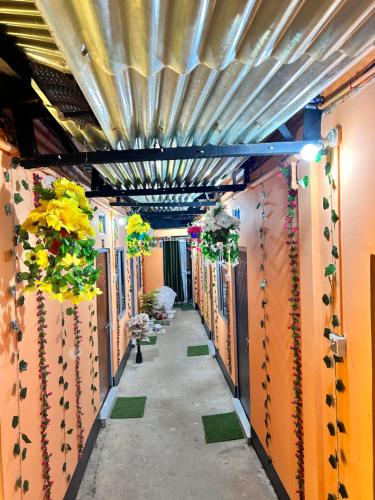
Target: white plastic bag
(165, 298)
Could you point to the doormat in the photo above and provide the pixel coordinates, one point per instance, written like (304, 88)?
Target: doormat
(197, 350)
(184, 307)
(129, 408)
(222, 427)
(153, 339)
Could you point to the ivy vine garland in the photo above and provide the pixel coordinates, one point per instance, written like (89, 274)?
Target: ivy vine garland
(294, 326)
(139, 238)
(263, 322)
(64, 403)
(329, 299)
(220, 235)
(62, 261)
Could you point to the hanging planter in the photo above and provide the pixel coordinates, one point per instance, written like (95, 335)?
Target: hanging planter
(139, 237)
(61, 262)
(220, 236)
(194, 239)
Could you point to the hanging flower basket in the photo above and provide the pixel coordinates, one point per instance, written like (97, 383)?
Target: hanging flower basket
(139, 237)
(194, 236)
(61, 259)
(220, 236)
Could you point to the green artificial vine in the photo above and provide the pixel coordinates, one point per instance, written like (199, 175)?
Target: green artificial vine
(329, 299)
(93, 359)
(263, 322)
(64, 403)
(20, 447)
(295, 323)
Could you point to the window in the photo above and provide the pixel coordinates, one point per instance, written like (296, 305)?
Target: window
(102, 224)
(222, 290)
(121, 276)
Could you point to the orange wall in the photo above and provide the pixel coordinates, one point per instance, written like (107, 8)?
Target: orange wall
(154, 270)
(355, 167)
(354, 172)
(28, 409)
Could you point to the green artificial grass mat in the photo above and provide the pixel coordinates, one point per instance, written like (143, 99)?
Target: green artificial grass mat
(153, 339)
(185, 307)
(222, 427)
(129, 407)
(197, 350)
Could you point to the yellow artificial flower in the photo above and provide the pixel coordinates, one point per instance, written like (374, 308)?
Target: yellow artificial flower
(64, 187)
(42, 258)
(70, 260)
(35, 218)
(44, 287)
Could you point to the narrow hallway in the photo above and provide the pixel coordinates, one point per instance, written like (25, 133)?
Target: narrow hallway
(164, 455)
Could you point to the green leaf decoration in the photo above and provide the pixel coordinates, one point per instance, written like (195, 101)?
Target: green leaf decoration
(61, 380)
(333, 460)
(19, 336)
(342, 491)
(334, 216)
(340, 387)
(16, 449)
(341, 426)
(21, 300)
(327, 168)
(62, 401)
(327, 332)
(7, 176)
(325, 203)
(327, 233)
(329, 400)
(23, 392)
(331, 428)
(62, 425)
(335, 321)
(330, 270)
(304, 182)
(331, 496)
(25, 438)
(26, 485)
(60, 360)
(66, 405)
(66, 385)
(68, 478)
(69, 431)
(18, 482)
(325, 299)
(22, 365)
(328, 361)
(70, 311)
(24, 453)
(15, 421)
(17, 198)
(335, 252)
(25, 184)
(64, 467)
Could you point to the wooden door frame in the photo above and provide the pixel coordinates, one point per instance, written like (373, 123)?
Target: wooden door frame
(234, 292)
(109, 300)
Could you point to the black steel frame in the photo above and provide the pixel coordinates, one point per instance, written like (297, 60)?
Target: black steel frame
(163, 154)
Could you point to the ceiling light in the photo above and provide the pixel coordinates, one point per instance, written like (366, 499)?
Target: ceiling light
(309, 152)
(121, 221)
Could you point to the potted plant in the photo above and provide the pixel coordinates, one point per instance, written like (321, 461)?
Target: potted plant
(138, 326)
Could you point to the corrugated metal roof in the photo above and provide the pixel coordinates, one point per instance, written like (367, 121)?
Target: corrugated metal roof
(159, 73)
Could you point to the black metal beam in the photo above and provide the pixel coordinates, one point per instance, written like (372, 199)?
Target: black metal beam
(108, 192)
(181, 214)
(164, 205)
(161, 154)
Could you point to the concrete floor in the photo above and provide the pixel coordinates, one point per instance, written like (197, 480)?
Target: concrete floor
(164, 456)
